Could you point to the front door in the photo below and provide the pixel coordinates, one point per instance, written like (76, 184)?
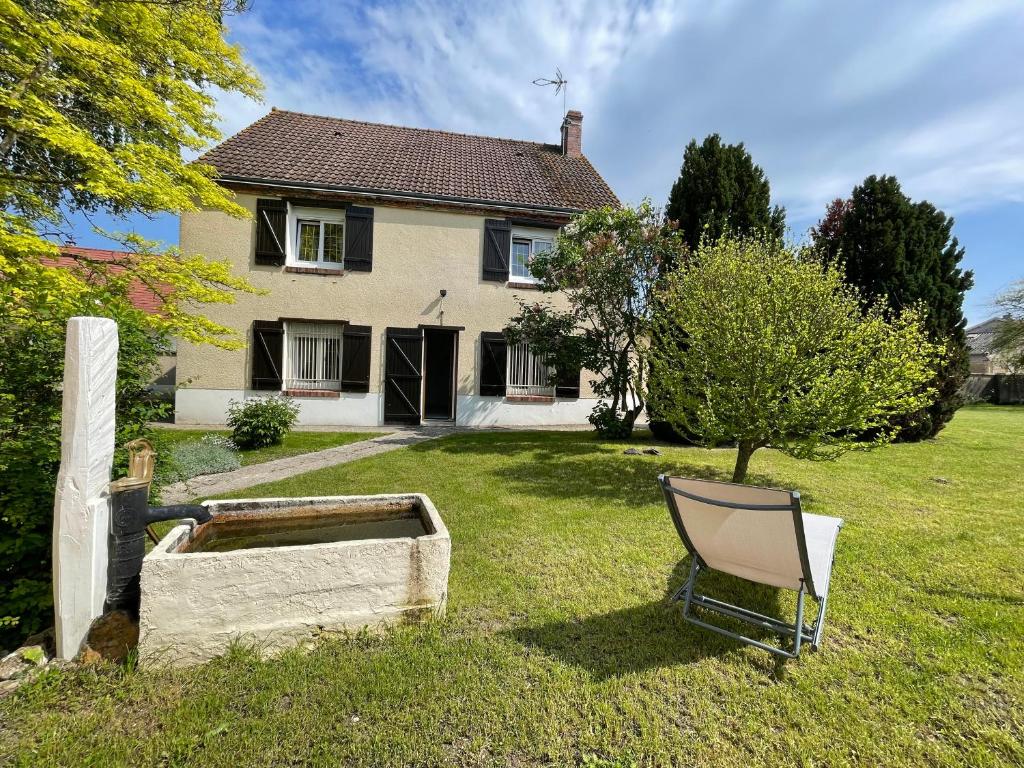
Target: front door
(439, 355)
(403, 375)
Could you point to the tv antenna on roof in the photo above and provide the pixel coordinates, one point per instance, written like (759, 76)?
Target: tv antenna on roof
(560, 83)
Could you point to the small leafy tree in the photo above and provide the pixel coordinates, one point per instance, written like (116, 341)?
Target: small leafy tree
(605, 262)
(778, 353)
(720, 191)
(1009, 341)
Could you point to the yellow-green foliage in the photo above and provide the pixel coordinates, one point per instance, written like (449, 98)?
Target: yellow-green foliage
(765, 346)
(98, 101)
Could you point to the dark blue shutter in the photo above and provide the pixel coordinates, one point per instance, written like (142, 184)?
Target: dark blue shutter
(493, 356)
(271, 220)
(267, 353)
(497, 246)
(359, 239)
(355, 358)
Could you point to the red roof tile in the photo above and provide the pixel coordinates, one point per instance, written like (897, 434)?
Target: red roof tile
(141, 297)
(293, 147)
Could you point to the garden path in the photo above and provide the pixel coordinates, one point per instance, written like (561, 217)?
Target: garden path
(205, 486)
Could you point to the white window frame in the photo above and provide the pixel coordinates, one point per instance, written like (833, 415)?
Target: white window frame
(296, 329)
(320, 216)
(534, 236)
(525, 374)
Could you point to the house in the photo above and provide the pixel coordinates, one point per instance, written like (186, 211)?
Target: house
(981, 343)
(393, 258)
(141, 296)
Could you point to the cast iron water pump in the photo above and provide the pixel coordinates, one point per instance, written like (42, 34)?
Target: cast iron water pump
(130, 514)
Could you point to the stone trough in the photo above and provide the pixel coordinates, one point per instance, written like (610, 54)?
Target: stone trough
(278, 572)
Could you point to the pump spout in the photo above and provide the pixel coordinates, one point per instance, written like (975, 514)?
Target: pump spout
(131, 514)
(197, 512)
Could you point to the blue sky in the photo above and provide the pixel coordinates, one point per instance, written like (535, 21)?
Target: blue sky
(822, 93)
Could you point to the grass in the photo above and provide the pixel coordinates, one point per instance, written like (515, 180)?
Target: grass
(560, 647)
(294, 443)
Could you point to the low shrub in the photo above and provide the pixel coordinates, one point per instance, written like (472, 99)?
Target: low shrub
(206, 456)
(609, 422)
(262, 421)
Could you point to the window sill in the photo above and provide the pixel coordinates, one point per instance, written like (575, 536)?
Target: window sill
(523, 285)
(529, 399)
(314, 271)
(311, 393)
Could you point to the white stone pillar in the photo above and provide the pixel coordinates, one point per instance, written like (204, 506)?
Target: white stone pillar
(81, 512)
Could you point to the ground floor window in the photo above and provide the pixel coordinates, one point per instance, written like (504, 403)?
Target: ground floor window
(527, 373)
(313, 356)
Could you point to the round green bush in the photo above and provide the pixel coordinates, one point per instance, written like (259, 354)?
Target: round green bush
(261, 421)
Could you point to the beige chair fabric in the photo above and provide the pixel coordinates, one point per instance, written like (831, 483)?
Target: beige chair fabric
(756, 544)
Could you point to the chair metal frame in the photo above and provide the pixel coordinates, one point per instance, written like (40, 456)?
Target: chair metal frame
(798, 631)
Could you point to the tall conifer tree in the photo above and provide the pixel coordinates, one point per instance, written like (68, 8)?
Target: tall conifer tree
(905, 252)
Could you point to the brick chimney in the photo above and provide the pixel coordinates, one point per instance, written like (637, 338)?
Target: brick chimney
(572, 134)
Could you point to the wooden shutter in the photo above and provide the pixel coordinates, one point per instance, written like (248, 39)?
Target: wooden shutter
(568, 383)
(271, 220)
(493, 355)
(497, 245)
(267, 346)
(355, 358)
(403, 374)
(359, 239)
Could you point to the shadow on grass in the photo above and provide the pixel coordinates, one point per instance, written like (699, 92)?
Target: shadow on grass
(576, 465)
(654, 634)
(985, 597)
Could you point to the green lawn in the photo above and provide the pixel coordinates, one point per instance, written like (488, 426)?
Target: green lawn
(560, 647)
(294, 443)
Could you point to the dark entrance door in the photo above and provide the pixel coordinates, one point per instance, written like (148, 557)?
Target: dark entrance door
(403, 375)
(439, 356)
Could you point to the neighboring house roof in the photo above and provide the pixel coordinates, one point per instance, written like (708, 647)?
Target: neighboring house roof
(981, 337)
(140, 296)
(349, 155)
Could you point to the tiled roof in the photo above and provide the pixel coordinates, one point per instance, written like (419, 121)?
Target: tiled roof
(140, 296)
(308, 149)
(981, 337)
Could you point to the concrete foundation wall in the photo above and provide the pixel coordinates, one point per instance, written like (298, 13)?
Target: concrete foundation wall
(194, 605)
(208, 406)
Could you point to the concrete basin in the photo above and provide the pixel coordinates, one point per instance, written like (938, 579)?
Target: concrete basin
(278, 572)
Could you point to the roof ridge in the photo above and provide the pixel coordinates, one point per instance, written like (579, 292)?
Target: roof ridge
(405, 128)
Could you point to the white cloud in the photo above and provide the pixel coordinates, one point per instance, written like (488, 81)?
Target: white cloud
(822, 94)
(906, 45)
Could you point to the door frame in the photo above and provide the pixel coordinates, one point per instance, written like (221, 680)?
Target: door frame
(454, 331)
(457, 330)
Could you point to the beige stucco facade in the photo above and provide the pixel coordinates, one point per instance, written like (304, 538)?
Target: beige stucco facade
(417, 252)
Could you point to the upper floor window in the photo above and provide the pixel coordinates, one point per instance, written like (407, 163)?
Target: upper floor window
(318, 238)
(524, 248)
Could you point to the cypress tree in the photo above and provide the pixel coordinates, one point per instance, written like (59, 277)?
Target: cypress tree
(905, 253)
(720, 191)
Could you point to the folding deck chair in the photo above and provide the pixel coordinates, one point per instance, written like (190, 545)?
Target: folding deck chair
(757, 534)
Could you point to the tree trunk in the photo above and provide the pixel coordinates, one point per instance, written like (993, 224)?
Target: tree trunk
(745, 450)
(629, 417)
